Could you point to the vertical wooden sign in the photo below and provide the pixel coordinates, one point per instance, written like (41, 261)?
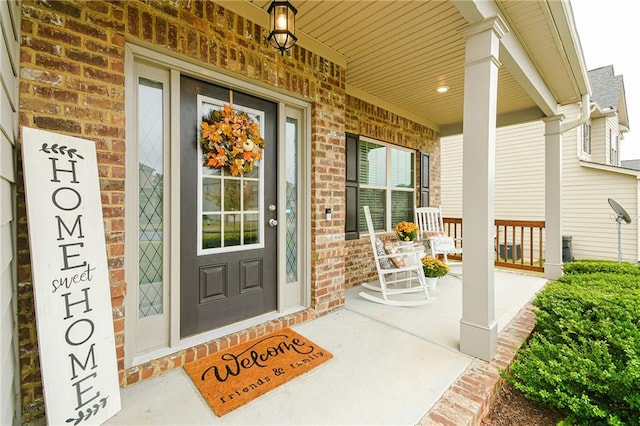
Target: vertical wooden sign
(70, 278)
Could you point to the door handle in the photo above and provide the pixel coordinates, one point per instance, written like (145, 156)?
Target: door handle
(273, 223)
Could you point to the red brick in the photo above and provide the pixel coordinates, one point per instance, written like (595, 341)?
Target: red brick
(133, 376)
(59, 124)
(86, 29)
(147, 372)
(118, 325)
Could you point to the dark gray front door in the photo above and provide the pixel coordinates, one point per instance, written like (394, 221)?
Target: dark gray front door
(228, 248)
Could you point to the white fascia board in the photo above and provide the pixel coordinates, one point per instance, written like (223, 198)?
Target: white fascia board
(512, 55)
(609, 168)
(565, 25)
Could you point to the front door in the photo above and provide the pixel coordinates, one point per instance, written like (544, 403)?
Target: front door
(227, 223)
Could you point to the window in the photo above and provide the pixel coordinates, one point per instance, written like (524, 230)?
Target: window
(152, 141)
(292, 199)
(148, 212)
(586, 138)
(386, 181)
(613, 147)
(229, 205)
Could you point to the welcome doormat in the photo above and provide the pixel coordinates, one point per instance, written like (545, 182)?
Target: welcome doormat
(234, 377)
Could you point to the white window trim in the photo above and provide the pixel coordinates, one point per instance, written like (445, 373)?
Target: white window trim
(159, 321)
(582, 155)
(286, 104)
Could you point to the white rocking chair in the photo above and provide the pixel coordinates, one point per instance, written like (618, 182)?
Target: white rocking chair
(394, 280)
(429, 220)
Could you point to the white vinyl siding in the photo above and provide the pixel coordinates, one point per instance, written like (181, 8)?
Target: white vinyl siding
(9, 383)
(519, 191)
(451, 176)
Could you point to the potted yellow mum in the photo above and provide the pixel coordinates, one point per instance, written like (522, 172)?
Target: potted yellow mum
(434, 268)
(406, 231)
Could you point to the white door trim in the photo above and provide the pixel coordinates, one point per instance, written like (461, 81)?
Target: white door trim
(286, 104)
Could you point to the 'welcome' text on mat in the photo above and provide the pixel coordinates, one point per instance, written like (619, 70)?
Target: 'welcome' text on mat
(234, 377)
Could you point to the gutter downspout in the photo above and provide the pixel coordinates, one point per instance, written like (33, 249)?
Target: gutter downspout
(585, 114)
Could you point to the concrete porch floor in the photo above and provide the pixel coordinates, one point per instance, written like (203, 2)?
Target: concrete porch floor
(391, 366)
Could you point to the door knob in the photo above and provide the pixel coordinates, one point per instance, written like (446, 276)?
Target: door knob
(273, 223)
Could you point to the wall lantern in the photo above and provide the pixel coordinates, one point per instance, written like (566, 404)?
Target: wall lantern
(282, 25)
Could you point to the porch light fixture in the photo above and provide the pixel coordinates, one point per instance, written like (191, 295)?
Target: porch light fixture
(442, 89)
(282, 25)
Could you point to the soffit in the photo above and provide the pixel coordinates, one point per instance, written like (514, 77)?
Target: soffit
(401, 51)
(539, 33)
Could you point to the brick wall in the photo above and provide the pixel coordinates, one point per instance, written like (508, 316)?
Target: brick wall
(370, 120)
(72, 82)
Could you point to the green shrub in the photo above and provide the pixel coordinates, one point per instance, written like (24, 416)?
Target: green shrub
(594, 266)
(584, 356)
(581, 377)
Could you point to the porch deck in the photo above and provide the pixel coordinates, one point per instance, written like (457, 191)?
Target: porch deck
(391, 365)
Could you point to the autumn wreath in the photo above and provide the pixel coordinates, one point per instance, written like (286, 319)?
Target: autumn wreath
(230, 139)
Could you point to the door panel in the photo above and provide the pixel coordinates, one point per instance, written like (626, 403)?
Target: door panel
(227, 249)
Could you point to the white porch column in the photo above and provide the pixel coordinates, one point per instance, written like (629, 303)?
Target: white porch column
(553, 196)
(478, 327)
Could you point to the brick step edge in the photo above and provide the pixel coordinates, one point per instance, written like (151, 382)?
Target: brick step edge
(468, 399)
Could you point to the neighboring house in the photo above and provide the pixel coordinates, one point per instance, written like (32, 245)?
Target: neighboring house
(350, 115)
(591, 173)
(631, 164)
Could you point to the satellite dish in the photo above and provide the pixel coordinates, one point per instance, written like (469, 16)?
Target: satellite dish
(621, 214)
(620, 211)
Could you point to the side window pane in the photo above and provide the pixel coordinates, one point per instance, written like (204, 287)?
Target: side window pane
(211, 195)
(150, 197)
(402, 169)
(232, 229)
(375, 199)
(232, 195)
(251, 228)
(402, 206)
(292, 200)
(211, 227)
(373, 164)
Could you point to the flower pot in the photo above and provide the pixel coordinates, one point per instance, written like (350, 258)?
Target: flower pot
(405, 243)
(432, 282)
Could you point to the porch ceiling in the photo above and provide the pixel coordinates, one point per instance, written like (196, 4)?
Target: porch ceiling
(397, 53)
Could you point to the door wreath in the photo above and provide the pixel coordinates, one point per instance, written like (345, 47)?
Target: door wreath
(231, 140)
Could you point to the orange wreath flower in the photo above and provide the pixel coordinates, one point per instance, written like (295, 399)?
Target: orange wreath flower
(230, 139)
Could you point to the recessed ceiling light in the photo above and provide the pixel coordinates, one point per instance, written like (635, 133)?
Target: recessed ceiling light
(442, 89)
